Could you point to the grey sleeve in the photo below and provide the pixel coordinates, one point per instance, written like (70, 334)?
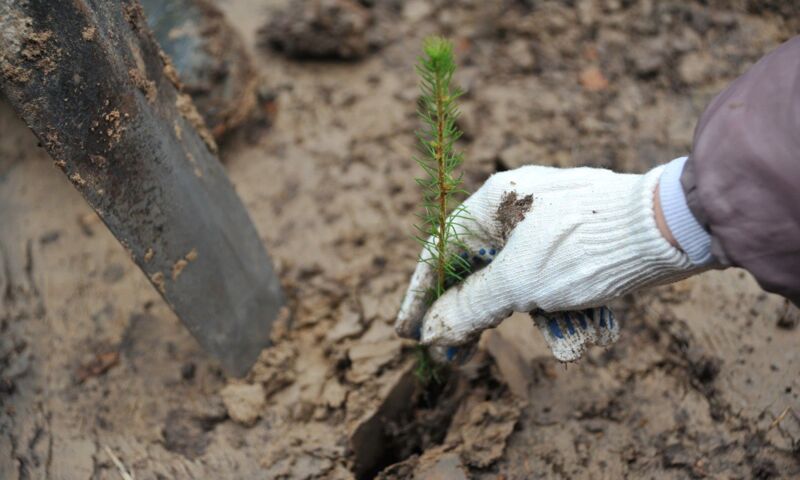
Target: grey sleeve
(742, 179)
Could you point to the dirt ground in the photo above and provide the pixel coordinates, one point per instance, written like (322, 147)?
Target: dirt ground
(98, 379)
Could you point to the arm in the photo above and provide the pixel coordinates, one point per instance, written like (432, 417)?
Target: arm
(742, 179)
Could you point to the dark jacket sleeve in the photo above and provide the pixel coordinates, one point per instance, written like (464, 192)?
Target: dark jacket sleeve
(742, 179)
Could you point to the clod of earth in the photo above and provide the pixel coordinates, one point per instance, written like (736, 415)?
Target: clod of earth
(511, 211)
(482, 428)
(369, 440)
(310, 450)
(181, 263)
(189, 112)
(368, 359)
(244, 402)
(148, 87)
(186, 432)
(438, 463)
(219, 73)
(349, 325)
(274, 368)
(320, 29)
(88, 33)
(158, 280)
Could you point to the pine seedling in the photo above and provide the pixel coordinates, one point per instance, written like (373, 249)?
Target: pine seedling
(439, 161)
(440, 181)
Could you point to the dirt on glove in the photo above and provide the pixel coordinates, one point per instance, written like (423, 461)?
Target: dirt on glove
(98, 377)
(511, 211)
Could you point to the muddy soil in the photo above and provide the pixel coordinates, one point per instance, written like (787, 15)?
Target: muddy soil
(99, 380)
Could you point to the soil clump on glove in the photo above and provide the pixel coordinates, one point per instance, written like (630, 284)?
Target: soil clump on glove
(512, 211)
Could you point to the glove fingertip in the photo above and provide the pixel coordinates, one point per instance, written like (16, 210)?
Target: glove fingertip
(437, 329)
(431, 331)
(409, 318)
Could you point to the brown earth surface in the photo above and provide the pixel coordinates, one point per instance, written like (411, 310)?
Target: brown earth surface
(99, 380)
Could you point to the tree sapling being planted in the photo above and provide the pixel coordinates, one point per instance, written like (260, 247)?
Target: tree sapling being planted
(440, 182)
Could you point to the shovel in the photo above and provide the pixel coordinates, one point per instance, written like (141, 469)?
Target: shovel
(91, 82)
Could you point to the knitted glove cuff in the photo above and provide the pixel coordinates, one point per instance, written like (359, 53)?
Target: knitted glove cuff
(691, 236)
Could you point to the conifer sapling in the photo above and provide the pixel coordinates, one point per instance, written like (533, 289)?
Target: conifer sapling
(440, 181)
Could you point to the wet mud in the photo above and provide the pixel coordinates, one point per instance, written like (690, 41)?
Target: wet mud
(97, 376)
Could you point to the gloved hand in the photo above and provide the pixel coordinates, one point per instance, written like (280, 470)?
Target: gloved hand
(544, 239)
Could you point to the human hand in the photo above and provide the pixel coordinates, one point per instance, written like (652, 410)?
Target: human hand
(543, 239)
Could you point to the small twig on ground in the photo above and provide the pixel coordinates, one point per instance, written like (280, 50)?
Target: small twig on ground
(779, 418)
(123, 472)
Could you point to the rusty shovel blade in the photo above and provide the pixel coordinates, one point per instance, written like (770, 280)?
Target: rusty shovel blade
(89, 79)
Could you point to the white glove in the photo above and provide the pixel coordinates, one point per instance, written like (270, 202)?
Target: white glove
(545, 239)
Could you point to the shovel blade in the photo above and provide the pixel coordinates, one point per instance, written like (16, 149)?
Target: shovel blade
(91, 82)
